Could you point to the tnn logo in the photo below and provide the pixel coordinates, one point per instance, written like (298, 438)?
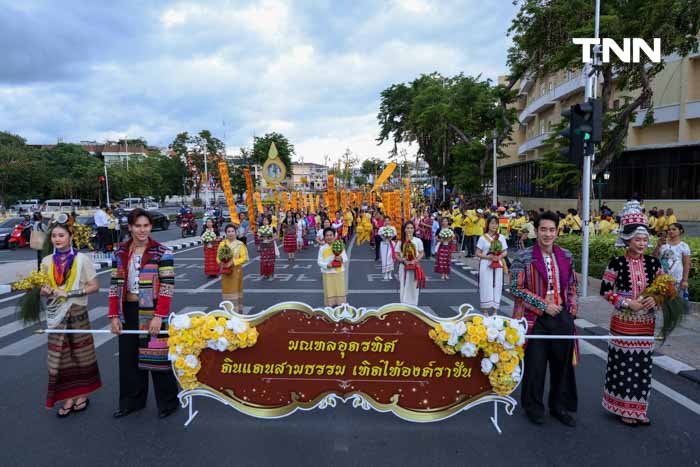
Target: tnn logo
(630, 51)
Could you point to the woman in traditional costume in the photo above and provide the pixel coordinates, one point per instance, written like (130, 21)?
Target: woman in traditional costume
(387, 248)
(426, 232)
(628, 376)
(300, 222)
(73, 371)
(310, 238)
(411, 275)
(491, 249)
(210, 241)
(445, 247)
(232, 254)
(332, 259)
(268, 249)
(289, 230)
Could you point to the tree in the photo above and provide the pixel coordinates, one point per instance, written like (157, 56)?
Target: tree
(285, 149)
(371, 168)
(192, 151)
(542, 43)
(443, 113)
(24, 171)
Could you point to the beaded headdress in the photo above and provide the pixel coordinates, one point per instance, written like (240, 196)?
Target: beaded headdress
(632, 223)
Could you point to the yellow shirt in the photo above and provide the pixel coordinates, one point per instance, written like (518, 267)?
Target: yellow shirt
(605, 227)
(671, 220)
(468, 223)
(238, 248)
(652, 222)
(479, 226)
(575, 223)
(456, 220)
(348, 218)
(661, 223)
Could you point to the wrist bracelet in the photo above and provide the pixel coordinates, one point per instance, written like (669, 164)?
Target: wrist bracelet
(76, 293)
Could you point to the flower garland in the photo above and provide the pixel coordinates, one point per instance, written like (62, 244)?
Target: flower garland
(188, 336)
(208, 236)
(500, 341)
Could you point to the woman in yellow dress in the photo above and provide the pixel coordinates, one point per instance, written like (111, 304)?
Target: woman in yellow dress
(232, 255)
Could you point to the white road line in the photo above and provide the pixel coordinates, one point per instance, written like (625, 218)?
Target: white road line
(472, 281)
(7, 311)
(214, 281)
(103, 338)
(671, 364)
(657, 386)
(34, 341)
(583, 324)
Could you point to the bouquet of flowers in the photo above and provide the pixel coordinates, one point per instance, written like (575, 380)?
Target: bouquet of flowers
(265, 231)
(446, 235)
(30, 305)
(387, 232)
(337, 248)
(496, 249)
(408, 252)
(208, 237)
(663, 291)
(225, 254)
(81, 236)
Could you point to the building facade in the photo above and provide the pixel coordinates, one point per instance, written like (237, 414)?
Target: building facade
(661, 162)
(309, 176)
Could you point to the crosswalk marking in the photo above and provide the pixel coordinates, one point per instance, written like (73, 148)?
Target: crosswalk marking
(29, 343)
(7, 311)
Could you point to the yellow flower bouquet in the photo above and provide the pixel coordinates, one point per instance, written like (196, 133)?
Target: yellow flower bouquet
(499, 340)
(673, 307)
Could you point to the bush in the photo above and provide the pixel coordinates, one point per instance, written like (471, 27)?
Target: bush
(602, 249)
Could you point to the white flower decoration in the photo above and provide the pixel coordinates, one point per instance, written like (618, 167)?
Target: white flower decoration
(211, 343)
(486, 366)
(237, 325)
(491, 334)
(219, 329)
(181, 322)
(469, 350)
(221, 344)
(516, 374)
(501, 337)
(172, 356)
(455, 330)
(191, 361)
(494, 357)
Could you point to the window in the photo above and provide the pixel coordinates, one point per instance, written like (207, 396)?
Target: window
(541, 128)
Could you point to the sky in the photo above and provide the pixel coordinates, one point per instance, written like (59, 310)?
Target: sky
(312, 70)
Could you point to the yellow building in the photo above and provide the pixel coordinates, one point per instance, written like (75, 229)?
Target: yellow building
(661, 163)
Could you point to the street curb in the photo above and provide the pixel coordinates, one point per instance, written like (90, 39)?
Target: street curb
(105, 263)
(660, 360)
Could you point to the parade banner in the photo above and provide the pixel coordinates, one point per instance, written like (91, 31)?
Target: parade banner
(384, 176)
(226, 187)
(396, 359)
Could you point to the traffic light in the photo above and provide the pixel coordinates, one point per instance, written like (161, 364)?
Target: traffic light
(101, 178)
(583, 131)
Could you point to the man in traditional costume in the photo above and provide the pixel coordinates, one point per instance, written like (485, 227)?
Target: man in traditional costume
(140, 293)
(544, 285)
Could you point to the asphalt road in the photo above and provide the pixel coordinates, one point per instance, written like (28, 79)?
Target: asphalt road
(334, 436)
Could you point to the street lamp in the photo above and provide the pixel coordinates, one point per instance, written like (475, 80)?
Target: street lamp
(599, 185)
(444, 186)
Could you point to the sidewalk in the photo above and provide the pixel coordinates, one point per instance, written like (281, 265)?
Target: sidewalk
(11, 272)
(678, 355)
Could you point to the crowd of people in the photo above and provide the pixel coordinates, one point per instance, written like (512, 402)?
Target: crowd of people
(540, 275)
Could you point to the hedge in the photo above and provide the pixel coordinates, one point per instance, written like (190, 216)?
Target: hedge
(602, 248)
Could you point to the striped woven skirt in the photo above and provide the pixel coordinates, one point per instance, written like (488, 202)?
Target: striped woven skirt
(267, 259)
(290, 242)
(73, 370)
(442, 260)
(628, 375)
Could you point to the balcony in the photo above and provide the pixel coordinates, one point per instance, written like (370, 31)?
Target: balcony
(570, 87)
(526, 83)
(692, 109)
(533, 143)
(662, 114)
(541, 103)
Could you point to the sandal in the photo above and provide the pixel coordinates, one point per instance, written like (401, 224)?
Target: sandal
(66, 411)
(629, 421)
(644, 422)
(83, 405)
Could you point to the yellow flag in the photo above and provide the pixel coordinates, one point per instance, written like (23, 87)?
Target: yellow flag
(384, 176)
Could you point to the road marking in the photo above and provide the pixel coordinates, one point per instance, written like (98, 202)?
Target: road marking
(657, 386)
(34, 341)
(583, 324)
(214, 281)
(7, 311)
(472, 281)
(671, 364)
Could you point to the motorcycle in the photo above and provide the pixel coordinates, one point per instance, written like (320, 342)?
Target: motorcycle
(18, 237)
(188, 226)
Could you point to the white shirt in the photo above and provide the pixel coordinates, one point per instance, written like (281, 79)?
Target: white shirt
(101, 218)
(323, 261)
(672, 256)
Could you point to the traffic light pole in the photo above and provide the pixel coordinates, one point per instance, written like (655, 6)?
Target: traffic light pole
(589, 154)
(106, 183)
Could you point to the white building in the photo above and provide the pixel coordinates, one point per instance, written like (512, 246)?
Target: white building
(309, 176)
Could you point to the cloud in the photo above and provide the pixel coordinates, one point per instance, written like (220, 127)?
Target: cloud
(313, 71)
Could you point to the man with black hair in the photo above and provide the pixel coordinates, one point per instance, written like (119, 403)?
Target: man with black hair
(544, 285)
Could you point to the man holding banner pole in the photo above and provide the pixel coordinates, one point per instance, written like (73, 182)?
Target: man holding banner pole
(544, 285)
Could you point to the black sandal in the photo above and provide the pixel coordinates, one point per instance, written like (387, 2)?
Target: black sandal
(644, 422)
(66, 411)
(83, 405)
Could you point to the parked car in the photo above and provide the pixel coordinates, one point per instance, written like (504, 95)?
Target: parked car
(26, 205)
(6, 228)
(160, 220)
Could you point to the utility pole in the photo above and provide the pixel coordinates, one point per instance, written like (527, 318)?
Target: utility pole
(495, 172)
(106, 181)
(206, 179)
(589, 155)
(126, 151)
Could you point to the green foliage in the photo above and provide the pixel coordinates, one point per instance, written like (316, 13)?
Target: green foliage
(452, 119)
(542, 34)
(30, 306)
(285, 149)
(372, 167)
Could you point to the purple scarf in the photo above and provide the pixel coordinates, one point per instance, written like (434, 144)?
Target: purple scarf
(563, 265)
